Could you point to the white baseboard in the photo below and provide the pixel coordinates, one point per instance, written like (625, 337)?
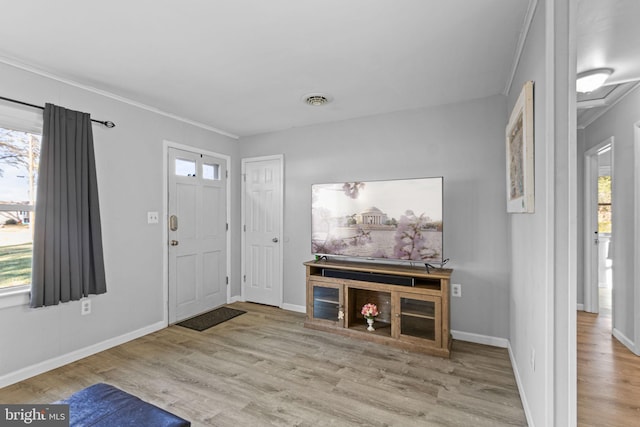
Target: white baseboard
(523, 396)
(237, 298)
(56, 362)
(625, 341)
(293, 307)
(580, 307)
(480, 339)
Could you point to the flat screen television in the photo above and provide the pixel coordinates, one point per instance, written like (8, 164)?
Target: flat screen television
(399, 220)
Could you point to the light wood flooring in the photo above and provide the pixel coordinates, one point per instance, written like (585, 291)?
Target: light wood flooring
(608, 376)
(263, 368)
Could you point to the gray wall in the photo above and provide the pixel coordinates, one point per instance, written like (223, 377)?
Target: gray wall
(529, 241)
(462, 142)
(618, 122)
(130, 170)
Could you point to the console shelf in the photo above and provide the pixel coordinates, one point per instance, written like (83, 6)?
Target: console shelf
(414, 317)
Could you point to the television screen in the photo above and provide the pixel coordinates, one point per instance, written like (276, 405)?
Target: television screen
(395, 220)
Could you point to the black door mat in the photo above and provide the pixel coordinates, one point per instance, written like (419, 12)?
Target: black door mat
(211, 318)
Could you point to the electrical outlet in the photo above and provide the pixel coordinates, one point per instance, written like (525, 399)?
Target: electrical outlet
(152, 217)
(456, 290)
(85, 307)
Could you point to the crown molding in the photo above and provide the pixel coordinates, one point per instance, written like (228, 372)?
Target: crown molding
(18, 64)
(521, 41)
(607, 107)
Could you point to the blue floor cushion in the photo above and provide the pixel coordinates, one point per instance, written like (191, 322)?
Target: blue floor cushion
(103, 405)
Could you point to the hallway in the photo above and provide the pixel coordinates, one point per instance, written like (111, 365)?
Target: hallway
(608, 373)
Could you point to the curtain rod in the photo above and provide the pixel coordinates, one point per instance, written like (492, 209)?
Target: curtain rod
(105, 123)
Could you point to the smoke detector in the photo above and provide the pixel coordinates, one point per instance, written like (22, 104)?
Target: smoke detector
(317, 99)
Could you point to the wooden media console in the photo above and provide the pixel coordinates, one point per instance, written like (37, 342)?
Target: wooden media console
(413, 303)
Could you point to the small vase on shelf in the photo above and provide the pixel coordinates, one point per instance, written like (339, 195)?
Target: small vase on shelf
(369, 311)
(370, 322)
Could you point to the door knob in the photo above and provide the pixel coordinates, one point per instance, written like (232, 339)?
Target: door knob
(274, 240)
(174, 243)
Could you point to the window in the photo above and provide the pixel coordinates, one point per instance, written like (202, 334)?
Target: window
(185, 167)
(19, 155)
(211, 171)
(604, 204)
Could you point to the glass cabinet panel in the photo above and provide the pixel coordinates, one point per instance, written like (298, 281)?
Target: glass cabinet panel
(326, 303)
(418, 318)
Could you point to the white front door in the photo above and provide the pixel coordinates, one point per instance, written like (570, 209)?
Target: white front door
(262, 230)
(197, 233)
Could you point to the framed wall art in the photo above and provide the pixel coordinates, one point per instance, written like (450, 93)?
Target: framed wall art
(520, 150)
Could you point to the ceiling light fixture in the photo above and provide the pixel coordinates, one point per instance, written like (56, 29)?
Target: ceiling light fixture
(317, 99)
(588, 81)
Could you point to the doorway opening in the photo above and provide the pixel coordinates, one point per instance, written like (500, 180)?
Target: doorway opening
(598, 229)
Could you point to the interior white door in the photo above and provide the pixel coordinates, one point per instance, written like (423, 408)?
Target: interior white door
(591, 232)
(262, 230)
(591, 236)
(197, 233)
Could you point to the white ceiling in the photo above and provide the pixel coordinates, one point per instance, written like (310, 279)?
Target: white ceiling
(608, 36)
(242, 66)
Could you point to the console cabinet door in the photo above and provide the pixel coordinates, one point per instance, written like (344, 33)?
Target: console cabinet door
(325, 302)
(418, 318)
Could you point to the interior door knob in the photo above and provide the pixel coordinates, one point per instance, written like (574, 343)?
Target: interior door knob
(274, 240)
(174, 243)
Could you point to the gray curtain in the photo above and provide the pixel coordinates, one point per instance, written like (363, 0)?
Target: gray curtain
(68, 261)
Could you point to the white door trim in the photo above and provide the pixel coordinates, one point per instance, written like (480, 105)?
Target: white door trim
(636, 239)
(591, 173)
(244, 161)
(166, 144)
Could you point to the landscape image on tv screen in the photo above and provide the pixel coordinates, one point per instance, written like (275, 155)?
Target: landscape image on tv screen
(396, 219)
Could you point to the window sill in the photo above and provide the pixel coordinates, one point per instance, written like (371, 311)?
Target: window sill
(14, 296)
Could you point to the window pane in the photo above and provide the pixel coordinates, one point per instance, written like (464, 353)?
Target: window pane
(604, 189)
(604, 219)
(604, 204)
(211, 171)
(185, 167)
(19, 156)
